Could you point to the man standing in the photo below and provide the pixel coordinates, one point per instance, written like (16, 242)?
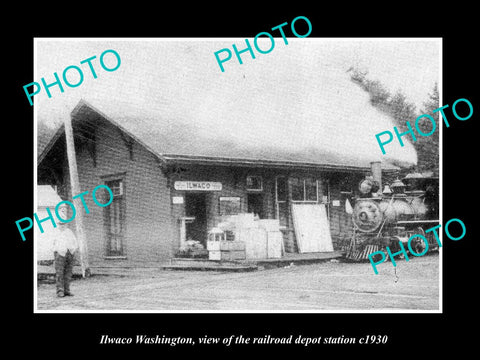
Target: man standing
(64, 246)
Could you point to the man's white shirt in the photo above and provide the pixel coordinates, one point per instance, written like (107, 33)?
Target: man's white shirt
(63, 241)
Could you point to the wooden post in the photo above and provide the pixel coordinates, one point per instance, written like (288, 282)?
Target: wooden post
(75, 187)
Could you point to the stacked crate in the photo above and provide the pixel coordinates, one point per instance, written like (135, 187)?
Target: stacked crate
(257, 239)
(226, 250)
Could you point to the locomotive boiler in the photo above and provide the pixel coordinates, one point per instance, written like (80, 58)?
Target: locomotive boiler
(386, 217)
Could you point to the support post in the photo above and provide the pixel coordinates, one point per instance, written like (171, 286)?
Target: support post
(75, 187)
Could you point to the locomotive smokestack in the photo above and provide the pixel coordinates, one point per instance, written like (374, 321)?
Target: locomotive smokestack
(376, 167)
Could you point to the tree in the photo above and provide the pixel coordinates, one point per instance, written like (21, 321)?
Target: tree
(428, 147)
(401, 110)
(432, 103)
(378, 94)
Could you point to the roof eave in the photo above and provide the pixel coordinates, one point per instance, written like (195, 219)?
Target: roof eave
(209, 160)
(223, 161)
(60, 131)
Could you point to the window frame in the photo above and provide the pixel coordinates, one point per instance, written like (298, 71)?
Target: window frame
(304, 179)
(222, 204)
(277, 201)
(122, 218)
(253, 189)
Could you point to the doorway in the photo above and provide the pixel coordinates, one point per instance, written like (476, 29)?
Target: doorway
(196, 206)
(255, 204)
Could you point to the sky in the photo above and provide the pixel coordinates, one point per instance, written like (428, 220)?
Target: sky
(298, 96)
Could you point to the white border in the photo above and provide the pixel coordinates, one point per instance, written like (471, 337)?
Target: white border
(35, 203)
(440, 190)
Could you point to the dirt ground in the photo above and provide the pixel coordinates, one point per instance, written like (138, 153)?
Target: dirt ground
(334, 286)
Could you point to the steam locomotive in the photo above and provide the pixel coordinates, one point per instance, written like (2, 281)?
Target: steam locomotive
(406, 207)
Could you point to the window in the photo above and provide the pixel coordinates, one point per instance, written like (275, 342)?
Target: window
(310, 189)
(298, 189)
(229, 205)
(255, 204)
(281, 188)
(304, 189)
(254, 183)
(114, 220)
(116, 186)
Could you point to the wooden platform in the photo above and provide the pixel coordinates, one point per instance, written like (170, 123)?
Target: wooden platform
(300, 259)
(251, 265)
(48, 272)
(209, 265)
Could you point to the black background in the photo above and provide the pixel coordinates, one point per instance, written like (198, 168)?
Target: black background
(75, 334)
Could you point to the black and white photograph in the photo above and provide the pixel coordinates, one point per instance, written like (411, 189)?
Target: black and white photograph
(226, 180)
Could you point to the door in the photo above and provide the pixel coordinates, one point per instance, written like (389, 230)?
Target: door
(196, 206)
(255, 205)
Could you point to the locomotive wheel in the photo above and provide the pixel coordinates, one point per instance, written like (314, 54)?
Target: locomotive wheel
(419, 245)
(420, 231)
(432, 241)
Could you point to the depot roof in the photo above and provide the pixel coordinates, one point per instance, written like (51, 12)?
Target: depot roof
(179, 143)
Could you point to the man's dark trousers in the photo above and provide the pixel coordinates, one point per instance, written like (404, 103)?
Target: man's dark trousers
(63, 272)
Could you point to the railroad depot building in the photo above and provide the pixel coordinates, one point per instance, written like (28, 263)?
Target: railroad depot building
(170, 185)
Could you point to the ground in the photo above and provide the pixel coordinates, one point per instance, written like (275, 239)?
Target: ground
(336, 286)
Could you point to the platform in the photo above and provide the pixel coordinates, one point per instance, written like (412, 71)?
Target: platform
(251, 265)
(46, 272)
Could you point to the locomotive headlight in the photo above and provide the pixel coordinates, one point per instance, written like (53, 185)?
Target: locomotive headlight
(363, 216)
(367, 215)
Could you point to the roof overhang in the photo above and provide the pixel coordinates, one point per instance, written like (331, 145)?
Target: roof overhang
(205, 160)
(84, 111)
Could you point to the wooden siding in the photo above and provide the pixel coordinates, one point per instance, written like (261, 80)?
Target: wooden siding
(148, 229)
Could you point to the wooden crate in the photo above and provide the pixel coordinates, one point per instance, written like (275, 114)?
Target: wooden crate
(255, 243)
(269, 224)
(232, 245)
(225, 245)
(232, 255)
(226, 250)
(274, 244)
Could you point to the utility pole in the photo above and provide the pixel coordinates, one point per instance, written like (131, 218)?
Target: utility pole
(75, 187)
